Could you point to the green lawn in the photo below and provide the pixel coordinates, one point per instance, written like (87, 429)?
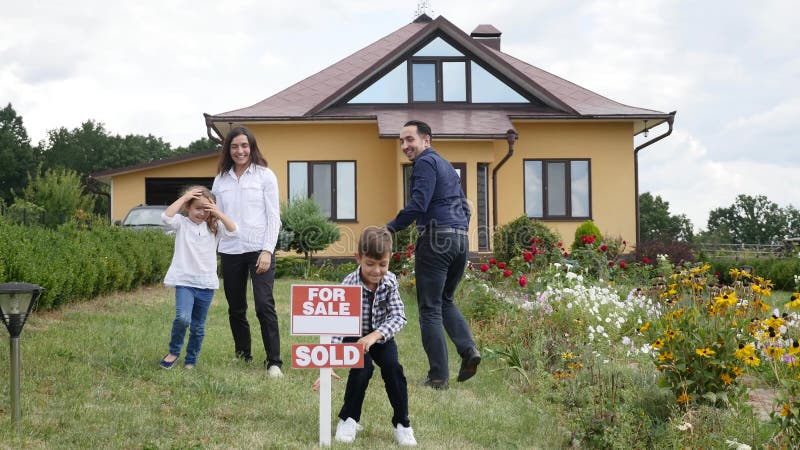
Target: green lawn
(90, 379)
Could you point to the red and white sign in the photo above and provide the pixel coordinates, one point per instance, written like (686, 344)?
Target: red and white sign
(327, 356)
(326, 309)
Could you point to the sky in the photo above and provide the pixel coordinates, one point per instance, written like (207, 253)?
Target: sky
(731, 70)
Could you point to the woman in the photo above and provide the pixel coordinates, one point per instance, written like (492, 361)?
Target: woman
(247, 191)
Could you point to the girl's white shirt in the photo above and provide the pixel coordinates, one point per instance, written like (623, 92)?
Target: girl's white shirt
(194, 263)
(252, 202)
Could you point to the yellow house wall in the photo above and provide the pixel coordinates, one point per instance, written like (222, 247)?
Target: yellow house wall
(128, 189)
(379, 181)
(609, 147)
(376, 170)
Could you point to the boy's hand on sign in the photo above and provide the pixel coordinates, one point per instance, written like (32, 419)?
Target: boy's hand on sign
(315, 387)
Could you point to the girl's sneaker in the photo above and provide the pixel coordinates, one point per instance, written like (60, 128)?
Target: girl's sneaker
(404, 436)
(167, 364)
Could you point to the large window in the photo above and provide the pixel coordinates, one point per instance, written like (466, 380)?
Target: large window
(438, 73)
(557, 189)
(332, 184)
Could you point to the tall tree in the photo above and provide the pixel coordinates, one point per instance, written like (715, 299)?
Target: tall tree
(749, 220)
(657, 224)
(200, 145)
(17, 158)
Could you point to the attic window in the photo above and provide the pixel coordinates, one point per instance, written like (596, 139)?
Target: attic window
(438, 73)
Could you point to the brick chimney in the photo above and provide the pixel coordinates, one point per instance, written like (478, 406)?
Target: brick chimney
(487, 35)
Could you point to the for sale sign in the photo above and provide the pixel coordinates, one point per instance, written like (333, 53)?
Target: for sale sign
(326, 309)
(324, 356)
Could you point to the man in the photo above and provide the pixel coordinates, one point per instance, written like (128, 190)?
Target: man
(442, 214)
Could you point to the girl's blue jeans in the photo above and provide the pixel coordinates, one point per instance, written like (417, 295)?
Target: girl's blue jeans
(191, 309)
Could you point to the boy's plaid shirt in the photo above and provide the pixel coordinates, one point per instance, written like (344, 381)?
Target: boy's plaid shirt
(387, 313)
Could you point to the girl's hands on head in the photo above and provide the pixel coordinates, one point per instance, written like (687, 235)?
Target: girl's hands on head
(211, 207)
(192, 194)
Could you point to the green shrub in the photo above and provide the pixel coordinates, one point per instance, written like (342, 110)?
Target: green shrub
(780, 270)
(523, 234)
(73, 264)
(585, 229)
(311, 231)
(290, 267)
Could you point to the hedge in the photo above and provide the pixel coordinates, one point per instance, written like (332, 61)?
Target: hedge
(73, 264)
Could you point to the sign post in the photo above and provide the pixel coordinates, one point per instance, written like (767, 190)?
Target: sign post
(326, 310)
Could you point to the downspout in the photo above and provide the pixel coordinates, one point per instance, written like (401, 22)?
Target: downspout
(511, 137)
(209, 128)
(670, 121)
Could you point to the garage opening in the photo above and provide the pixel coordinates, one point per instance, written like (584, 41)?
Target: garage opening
(164, 191)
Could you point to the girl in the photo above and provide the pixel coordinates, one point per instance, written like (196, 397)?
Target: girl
(193, 271)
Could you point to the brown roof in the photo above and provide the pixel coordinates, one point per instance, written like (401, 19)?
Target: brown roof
(322, 96)
(106, 175)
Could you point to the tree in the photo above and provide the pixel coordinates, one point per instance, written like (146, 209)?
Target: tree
(60, 193)
(89, 148)
(657, 224)
(749, 220)
(17, 158)
(200, 145)
(309, 230)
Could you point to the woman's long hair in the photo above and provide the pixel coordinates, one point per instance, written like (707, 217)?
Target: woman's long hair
(225, 160)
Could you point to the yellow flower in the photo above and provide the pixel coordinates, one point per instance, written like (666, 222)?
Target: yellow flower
(786, 410)
(684, 398)
(737, 371)
(644, 327)
(704, 352)
(658, 344)
(666, 356)
(567, 355)
(745, 351)
(752, 360)
(795, 348)
(574, 366)
(795, 301)
(775, 352)
(775, 322)
(756, 288)
(734, 272)
(726, 299)
(670, 334)
(726, 378)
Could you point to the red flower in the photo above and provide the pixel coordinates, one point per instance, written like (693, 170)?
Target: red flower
(528, 256)
(484, 268)
(716, 274)
(646, 260)
(501, 265)
(522, 281)
(624, 242)
(397, 256)
(408, 254)
(603, 248)
(410, 247)
(492, 261)
(560, 244)
(622, 265)
(507, 273)
(611, 264)
(566, 255)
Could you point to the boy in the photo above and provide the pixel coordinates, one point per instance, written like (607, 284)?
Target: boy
(382, 317)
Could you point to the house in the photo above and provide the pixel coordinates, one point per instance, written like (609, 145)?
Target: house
(523, 140)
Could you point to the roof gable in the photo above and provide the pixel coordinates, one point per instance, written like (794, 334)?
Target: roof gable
(324, 95)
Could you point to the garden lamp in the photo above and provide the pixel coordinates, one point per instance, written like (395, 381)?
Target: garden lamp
(16, 302)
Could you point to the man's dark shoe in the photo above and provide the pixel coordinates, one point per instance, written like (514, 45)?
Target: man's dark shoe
(436, 384)
(469, 364)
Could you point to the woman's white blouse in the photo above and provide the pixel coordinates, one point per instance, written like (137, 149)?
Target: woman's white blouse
(252, 202)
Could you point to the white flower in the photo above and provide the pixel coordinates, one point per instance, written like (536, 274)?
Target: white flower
(600, 329)
(737, 445)
(685, 425)
(626, 340)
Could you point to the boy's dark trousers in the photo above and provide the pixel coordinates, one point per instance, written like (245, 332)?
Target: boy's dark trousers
(385, 356)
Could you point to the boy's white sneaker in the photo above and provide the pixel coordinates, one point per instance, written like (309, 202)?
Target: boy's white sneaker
(404, 436)
(274, 372)
(346, 430)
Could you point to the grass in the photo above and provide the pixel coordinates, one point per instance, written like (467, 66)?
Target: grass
(90, 379)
